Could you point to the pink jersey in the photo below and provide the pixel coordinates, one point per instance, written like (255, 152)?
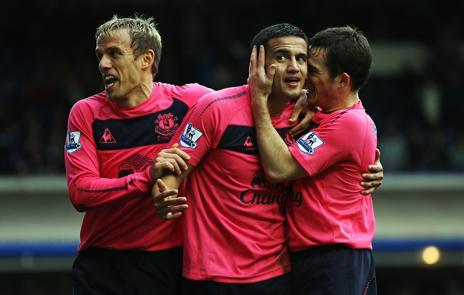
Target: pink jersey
(234, 228)
(334, 154)
(108, 154)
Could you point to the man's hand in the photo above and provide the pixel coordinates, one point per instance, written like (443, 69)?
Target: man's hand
(301, 107)
(374, 179)
(168, 205)
(170, 160)
(260, 79)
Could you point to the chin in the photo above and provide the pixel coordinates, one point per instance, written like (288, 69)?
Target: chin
(294, 95)
(113, 97)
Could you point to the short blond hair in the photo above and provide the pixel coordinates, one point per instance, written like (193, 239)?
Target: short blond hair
(142, 31)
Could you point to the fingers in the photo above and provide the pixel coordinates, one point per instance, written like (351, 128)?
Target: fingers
(297, 109)
(368, 191)
(161, 185)
(373, 176)
(166, 202)
(172, 159)
(171, 216)
(370, 186)
(261, 60)
(171, 205)
(252, 64)
(300, 106)
(166, 194)
(377, 155)
(377, 168)
(171, 165)
(174, 150)
(302, 125)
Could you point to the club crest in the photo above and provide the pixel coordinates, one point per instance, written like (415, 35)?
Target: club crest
(166, 124)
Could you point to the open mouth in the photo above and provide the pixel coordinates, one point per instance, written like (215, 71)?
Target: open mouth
(110, 80)
(293, 82)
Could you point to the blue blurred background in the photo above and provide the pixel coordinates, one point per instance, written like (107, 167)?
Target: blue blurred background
(415, 95)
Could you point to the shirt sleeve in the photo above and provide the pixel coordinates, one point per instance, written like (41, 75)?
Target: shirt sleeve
(191, 93)
(86, 188)
(201, 130)
(327, 145)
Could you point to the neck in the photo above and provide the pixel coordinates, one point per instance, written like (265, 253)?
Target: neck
(139, 94)
(342, 103)
(276, 105)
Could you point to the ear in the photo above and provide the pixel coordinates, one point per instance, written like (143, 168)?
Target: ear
(148, 58)
(344, 80)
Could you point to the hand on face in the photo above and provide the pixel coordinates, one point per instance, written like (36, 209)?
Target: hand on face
(259, 80)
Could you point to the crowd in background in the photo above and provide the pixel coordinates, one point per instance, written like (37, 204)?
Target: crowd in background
(47, 62)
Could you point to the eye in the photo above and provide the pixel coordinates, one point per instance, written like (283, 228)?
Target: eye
(280, 57)
(113, 53)
(301, 59)
(312, 69)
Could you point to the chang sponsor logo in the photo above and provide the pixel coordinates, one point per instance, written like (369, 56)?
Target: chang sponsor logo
(265, 193)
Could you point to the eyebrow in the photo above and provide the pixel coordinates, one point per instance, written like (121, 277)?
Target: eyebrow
(112, 49)
(281, 51)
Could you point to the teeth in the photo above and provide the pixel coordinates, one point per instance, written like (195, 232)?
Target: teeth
(110, 79)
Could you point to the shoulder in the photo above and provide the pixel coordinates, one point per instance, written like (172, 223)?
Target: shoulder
(91, 102)
(191, 92)
(226, 99)
(354, 123)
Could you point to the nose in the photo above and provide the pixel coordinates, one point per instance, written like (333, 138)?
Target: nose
(105, 62)
(293, 65)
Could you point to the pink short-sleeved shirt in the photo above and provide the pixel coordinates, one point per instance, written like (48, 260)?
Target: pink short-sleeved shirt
(234, 226)
(335, 153)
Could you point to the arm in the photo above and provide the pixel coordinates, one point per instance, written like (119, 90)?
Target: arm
(91, 191)
(301, 108)
(87, 189)
(373, 179)
(278, 163)
(201, 141)
(165, 199)
(271, 146)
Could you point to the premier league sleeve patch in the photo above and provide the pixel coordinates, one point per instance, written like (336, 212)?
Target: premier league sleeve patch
(73, 141)
(309, 142)
(190, 136)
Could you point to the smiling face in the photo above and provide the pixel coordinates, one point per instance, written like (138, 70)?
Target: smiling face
(321, 87)
(289, 56)
(122, 72)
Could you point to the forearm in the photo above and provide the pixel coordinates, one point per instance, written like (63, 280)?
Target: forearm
(277, 162)
(172, 181)
(87, 191)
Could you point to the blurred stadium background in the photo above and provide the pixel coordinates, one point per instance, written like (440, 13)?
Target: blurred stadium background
(415, 95)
